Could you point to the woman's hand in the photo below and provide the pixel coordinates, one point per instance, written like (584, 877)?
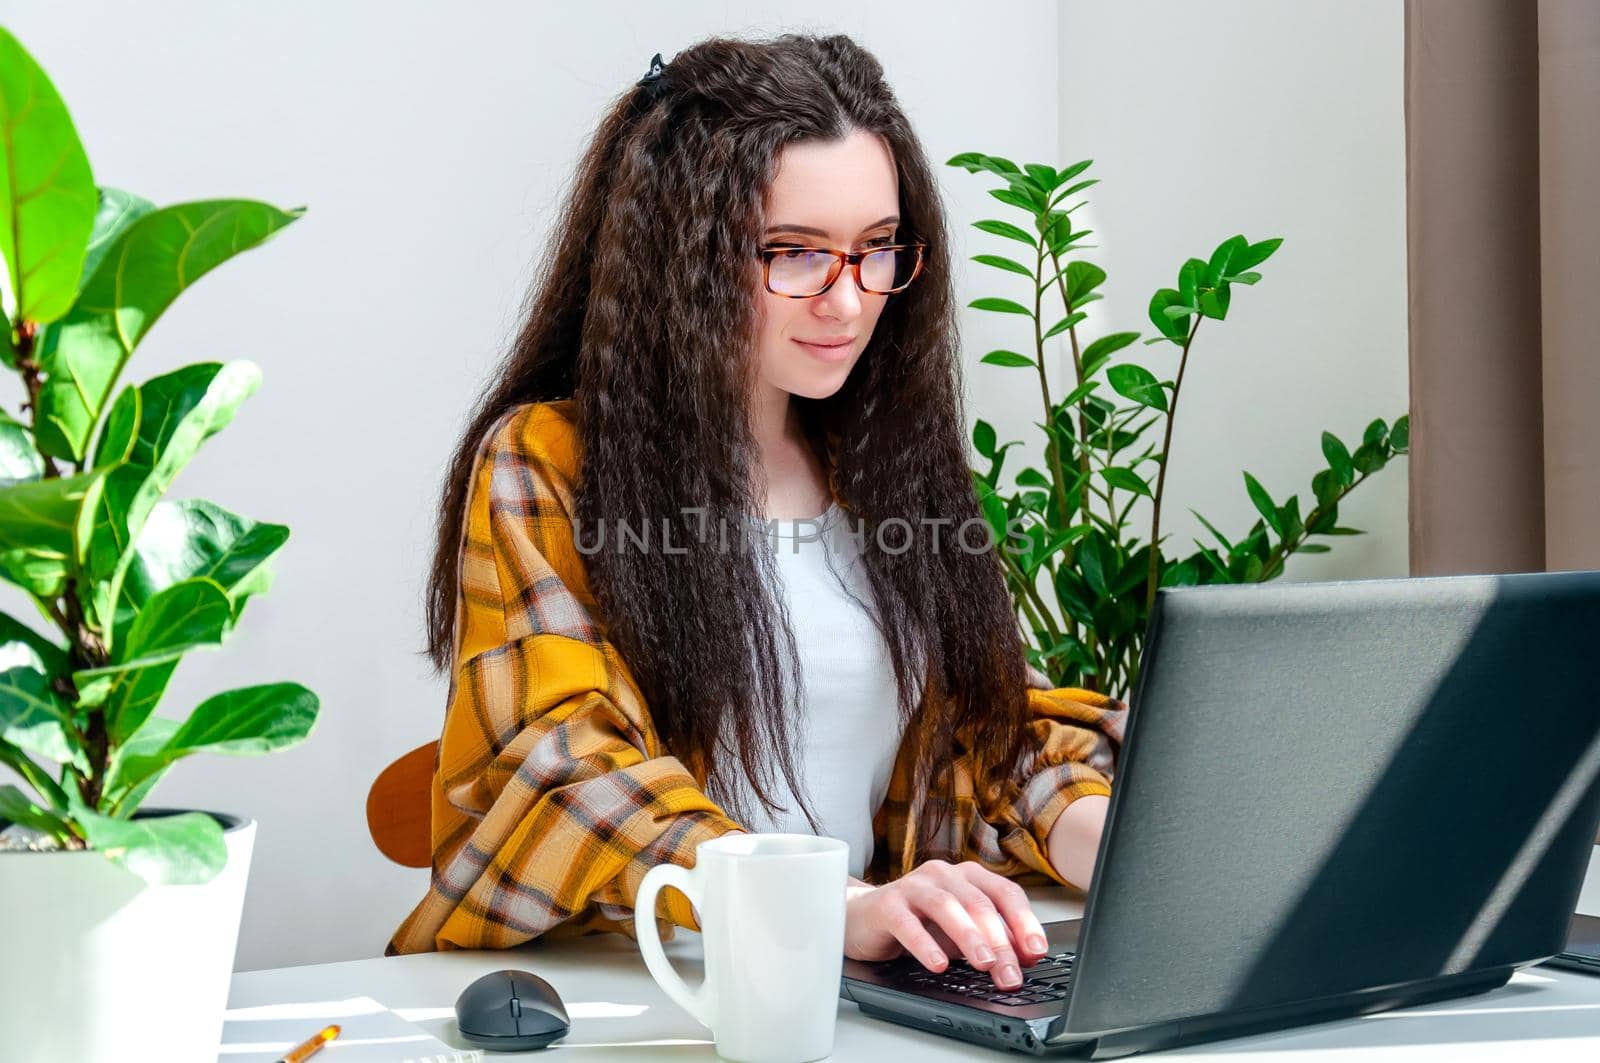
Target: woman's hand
(967, 908)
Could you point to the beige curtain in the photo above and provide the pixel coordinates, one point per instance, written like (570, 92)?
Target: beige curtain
(1502, 103)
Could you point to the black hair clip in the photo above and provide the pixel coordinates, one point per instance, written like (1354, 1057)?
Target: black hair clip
(654, 83)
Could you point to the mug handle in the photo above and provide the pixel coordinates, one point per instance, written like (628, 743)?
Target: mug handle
(697, 1002)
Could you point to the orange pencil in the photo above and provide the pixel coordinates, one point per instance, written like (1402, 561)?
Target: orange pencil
(310, 1047)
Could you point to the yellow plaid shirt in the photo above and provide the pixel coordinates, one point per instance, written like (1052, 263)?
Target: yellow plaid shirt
(552, 795)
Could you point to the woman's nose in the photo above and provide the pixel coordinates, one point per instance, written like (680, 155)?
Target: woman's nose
(843, 298)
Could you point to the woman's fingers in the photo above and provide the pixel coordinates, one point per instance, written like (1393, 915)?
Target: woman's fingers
(907, 928)
(1038, 680)
(1011, 902)
(1010, 957)
(943, 909)
(986, 947)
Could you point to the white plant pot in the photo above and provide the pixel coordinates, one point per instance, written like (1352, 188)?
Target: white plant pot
(97, 964)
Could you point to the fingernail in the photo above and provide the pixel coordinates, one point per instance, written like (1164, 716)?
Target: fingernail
(984, 954)
(1037, 943)
(939, 959)
(1010, 976)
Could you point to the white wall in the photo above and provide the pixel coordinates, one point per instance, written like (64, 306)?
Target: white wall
(1267, 119)
(431, 147)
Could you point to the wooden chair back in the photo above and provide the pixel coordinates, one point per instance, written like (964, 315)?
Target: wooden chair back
(399, 808)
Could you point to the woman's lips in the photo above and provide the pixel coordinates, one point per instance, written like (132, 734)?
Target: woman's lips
(837, 353)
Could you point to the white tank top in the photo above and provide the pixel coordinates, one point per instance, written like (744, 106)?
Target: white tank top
(852, 729)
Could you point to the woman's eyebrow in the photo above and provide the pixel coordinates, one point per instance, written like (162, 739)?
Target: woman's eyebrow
(809, 231)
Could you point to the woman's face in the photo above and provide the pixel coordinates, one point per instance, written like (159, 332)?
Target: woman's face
(842, 194)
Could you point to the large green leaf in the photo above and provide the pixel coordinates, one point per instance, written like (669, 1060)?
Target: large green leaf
(193, 537)
(1082, 278)
(1263, 503)
(1001, 262)
(1101, 349)
(42, 524)
(47, 193)
(124, 792)
(1065, 323)
(34, 719)
(189, 614)
(117, 210)
(156, 258)
(1253, 255)
(1338, 456)
(1139, 384)
(183, 849)
(1096, 559)
(186, 615)
(983, 438)
(1190, 275)
(154, 430)
(1400, 434)
(1218, 268)
(1174, 328)
(19, 459)
(17, 807)
(1214, 303)
(248, 721)
(1008, 360)
(128, 696)
(1126, 479)
(120, 429)
(1006, 229)
(38, 651)
(243, 722)
(1002, 306)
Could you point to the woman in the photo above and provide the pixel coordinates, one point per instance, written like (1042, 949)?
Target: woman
(628, 678)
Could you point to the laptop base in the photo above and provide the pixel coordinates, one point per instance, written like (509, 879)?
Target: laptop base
(1028, 1035)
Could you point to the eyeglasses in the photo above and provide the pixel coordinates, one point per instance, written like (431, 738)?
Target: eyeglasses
(806, 272)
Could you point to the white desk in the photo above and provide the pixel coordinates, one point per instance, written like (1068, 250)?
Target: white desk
(619, 1013)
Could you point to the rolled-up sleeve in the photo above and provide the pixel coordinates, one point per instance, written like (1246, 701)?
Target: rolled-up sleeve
(1073, 739)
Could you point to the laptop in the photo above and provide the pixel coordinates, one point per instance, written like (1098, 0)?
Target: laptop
(1583, 946)
(1333, 799)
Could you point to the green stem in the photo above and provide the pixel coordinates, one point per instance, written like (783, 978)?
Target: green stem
(1077, 367)
(1161, 477)
(1036, 624)
(1279, 554)
(1125, 510)
(1044, 618)
(86, 646)
(1057, 478)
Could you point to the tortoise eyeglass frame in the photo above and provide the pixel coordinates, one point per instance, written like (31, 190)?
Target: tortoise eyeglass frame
(840, 260)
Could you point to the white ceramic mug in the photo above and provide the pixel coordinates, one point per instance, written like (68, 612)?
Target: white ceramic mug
(771, 913)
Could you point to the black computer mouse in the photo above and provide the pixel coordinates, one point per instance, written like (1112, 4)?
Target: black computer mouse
(510, 1011)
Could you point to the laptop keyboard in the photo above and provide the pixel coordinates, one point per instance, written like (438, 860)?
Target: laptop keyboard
(1045, 982)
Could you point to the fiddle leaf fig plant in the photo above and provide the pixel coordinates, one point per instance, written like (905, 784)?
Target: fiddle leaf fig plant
(1065, 522)
(125, 579)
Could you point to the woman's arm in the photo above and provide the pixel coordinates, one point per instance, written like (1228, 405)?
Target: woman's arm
(552, 795)
(1074, 839)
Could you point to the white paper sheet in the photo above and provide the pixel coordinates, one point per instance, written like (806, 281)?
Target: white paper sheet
(369, 1033)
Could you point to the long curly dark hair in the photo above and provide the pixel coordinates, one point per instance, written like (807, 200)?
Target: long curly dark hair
(644, 312)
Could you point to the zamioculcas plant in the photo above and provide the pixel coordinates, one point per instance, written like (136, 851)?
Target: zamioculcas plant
(1065, 521)
(125, 579)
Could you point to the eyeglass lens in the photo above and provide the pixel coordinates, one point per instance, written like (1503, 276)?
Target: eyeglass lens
(802, 272)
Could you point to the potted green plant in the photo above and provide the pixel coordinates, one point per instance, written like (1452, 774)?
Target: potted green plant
(1064, 523)
(121, 919)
